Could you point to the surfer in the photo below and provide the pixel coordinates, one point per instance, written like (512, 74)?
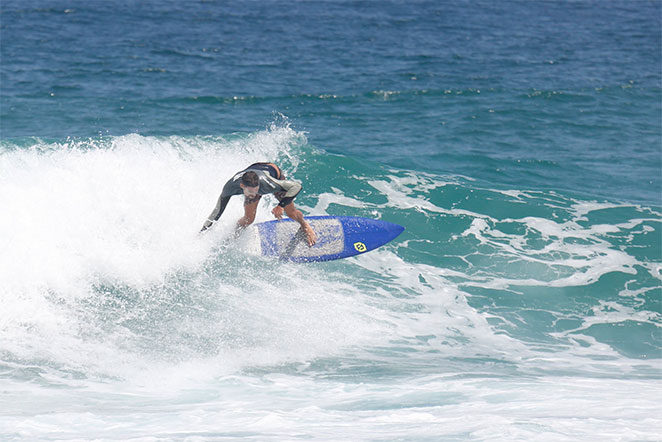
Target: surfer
(256, 180)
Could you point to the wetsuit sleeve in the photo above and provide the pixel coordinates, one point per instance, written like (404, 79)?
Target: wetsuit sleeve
(228, 192)
(291, 189)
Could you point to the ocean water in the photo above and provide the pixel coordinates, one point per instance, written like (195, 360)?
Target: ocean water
(519, 143)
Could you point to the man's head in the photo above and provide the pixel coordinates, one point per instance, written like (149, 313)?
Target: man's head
(250, 183)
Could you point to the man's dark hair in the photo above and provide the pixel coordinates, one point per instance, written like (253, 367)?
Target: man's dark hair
(250, 179)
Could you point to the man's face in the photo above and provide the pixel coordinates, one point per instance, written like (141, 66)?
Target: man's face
(250, 192)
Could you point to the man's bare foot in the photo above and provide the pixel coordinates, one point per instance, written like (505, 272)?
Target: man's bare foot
(311, 237)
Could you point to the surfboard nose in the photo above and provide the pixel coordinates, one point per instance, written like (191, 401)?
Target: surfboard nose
(392, 230)
(376, 231)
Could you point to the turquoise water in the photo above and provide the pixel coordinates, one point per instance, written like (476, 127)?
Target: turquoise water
(519, 143)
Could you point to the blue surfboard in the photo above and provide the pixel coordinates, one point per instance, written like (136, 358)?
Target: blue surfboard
(337, 237)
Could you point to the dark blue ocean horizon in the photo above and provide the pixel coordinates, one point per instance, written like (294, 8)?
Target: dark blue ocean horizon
(570, 89)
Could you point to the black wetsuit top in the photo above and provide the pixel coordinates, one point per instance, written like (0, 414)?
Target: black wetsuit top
(270, 181)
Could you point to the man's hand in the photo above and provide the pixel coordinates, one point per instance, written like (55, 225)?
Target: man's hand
(278, 212)
(208, 223)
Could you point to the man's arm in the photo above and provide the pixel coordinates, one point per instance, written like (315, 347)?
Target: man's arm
(229, 190)
(216, 213)
(291, 189)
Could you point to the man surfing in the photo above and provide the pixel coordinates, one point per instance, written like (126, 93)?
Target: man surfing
(256, 180)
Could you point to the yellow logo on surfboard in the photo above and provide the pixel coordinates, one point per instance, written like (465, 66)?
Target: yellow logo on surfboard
(360, 247)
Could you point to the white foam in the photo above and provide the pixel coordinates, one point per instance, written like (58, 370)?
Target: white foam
(325, 199)
(279, 407)
(123, 213)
